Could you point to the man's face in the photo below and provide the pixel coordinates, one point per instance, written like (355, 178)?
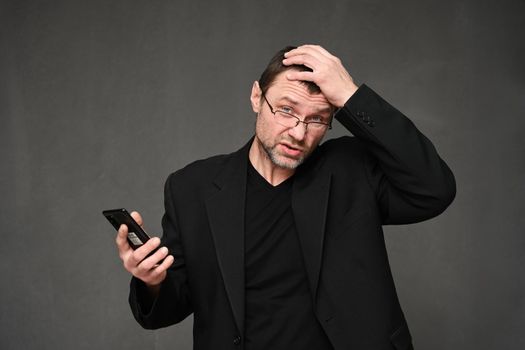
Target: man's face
(288, 147)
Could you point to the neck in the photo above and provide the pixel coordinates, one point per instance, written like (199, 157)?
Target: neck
(271, 172)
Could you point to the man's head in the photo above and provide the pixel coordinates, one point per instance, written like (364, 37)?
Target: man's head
(287, 146)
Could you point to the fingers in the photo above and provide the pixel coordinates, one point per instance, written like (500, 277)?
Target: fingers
(168, 261)
(153, 269)
(140, 253)
(158, 273)
(122, 241)
(311, 61)
(312, 56)
(149, 262)
(328, 72)
(138, 218)
(314, 50)
(302, 76)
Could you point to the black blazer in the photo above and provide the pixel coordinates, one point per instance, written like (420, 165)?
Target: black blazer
(389, 173)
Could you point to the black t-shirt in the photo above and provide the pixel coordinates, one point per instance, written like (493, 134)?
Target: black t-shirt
(279, 312)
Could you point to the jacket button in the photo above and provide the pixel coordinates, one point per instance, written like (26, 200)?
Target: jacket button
(236, 340)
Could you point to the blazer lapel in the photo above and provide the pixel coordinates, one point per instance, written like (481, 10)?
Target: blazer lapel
(225, 211)
(311, 190)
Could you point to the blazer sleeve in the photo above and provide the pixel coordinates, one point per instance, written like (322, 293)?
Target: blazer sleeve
(411, 182)
(173, 303)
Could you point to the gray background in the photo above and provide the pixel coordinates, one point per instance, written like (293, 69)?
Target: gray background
(101, 100)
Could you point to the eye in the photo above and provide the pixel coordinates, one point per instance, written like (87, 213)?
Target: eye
(316, 119)
(286, 109)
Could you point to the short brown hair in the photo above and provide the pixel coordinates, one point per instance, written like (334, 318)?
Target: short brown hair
(276, 67)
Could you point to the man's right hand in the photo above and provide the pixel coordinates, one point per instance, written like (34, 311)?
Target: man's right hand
(151, 270)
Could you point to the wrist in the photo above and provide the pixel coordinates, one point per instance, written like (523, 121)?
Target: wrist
(346, 95)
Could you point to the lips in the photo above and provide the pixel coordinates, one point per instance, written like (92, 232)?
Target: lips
(291, 150)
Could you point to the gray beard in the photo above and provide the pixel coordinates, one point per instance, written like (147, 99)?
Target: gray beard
(271, 153)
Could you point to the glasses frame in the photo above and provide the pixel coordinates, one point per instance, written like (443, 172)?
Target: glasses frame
(306, 123)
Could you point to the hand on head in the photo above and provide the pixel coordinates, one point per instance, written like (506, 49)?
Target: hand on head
(328, 72)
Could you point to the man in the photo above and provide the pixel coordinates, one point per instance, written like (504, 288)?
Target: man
(280, 245)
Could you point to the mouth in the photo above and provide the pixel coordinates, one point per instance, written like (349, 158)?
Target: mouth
(291, 150)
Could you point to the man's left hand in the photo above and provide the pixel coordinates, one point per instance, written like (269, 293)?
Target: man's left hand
(328, 72)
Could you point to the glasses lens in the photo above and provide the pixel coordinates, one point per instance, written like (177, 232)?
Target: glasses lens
(317, 126)
(285, 119)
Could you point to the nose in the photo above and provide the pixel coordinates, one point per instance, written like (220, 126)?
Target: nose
(298, 132)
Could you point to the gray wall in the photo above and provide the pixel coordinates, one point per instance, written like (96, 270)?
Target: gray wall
(101, 100)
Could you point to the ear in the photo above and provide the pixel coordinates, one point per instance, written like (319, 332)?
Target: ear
(255, 97)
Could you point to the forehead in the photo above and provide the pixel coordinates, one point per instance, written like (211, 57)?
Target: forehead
(296, 91)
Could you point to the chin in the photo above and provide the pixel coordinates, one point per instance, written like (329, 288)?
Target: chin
(286, 163)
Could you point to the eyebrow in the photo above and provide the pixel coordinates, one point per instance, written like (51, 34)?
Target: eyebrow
(289, 99)
(295, 103)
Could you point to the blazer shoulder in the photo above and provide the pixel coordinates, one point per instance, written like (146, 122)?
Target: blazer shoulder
(201, 169)
(204, 171)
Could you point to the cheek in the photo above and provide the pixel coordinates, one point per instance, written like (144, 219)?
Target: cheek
(261, 130)
(264, 129)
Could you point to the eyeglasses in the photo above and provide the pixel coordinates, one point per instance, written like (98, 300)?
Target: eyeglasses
(290, 120)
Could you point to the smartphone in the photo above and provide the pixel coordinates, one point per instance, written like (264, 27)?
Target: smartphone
(136, 235)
